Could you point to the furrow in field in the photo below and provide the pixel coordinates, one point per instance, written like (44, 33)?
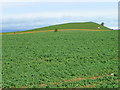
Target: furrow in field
(76, 79)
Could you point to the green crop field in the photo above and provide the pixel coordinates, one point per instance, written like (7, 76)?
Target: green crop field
(66, 59)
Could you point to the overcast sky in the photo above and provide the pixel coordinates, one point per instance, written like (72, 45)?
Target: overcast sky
(18, 16)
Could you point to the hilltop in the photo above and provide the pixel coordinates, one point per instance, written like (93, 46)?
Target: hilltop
(85, 25)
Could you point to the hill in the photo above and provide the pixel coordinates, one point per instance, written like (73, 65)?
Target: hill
(85, 25)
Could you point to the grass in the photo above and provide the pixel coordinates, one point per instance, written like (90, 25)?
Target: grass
(86, 25)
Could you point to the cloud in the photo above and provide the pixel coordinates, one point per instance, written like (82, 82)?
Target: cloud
(91, 13)
(115, 28)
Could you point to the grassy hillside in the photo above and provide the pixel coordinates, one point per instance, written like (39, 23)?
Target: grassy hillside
(68, 26)
(86, 25)
(70, 59)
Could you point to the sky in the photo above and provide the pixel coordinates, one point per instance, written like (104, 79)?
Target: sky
(18, 16)
(59, 0)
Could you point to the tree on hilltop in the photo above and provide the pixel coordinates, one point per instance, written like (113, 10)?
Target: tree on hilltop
(102, 23)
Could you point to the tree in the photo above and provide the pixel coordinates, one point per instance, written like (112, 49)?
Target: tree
(55, 30)
(102, 24)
